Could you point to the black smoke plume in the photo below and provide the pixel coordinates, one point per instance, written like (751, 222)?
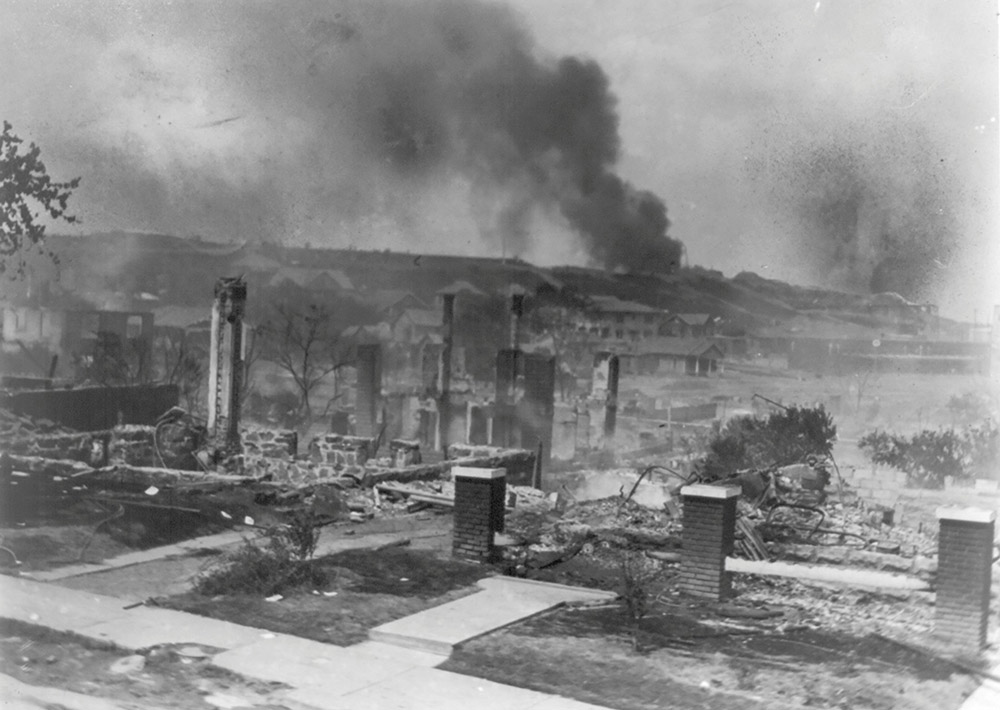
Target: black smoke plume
(321, 120)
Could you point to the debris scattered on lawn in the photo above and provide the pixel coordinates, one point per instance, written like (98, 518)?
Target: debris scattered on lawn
(128, 664)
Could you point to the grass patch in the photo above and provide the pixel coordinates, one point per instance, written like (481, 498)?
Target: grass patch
(359, 590)
(588, 655)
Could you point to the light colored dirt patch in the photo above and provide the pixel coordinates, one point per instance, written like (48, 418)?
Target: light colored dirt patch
(169, 676)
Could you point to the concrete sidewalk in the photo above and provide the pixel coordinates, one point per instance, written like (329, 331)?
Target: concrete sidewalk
(503, 601)
(987, 695)
(328, 545)
(362, 677)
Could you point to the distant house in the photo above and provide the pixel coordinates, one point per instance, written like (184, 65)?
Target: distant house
(368, 334)
(610, 318)
(414, 324)
(311, 279)
(666, 354)
(75, 333)
(390, 304)
(904, 317)
(691, 325)
(182, 317)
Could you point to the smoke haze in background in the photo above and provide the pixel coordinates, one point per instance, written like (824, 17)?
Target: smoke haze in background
(338, 123)
(841, 143)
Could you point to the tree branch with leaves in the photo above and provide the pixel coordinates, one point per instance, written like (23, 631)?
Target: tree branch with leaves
(25, 186)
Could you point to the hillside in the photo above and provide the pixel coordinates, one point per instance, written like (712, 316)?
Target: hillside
(177, 271)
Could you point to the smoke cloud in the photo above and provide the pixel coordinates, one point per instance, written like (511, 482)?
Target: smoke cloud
(838, 143)
(375, 123)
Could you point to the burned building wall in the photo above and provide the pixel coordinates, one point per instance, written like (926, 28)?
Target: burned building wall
(94, 408)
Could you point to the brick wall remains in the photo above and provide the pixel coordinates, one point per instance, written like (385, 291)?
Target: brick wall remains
(88, 447)
(341, 450)
(94, 408)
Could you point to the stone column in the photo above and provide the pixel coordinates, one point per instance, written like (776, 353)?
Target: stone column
(504, 432)
(444, 402)
(708, 535)
(538, 406)
(226, 367)
(369, 389)
(965, 556)
(611, 402)
(480, 495)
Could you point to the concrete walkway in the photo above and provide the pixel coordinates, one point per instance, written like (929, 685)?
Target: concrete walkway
(366, 676)
(987, 695)
(503, 601)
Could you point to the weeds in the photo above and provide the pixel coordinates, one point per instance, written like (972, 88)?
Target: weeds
(284, 563)
(638, 574)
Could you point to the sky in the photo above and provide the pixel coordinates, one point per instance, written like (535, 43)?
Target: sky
(841, 143)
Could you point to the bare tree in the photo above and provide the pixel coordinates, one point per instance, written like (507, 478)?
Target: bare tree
(183, 364)
(305, 343)
(115, 361)
(253, 347)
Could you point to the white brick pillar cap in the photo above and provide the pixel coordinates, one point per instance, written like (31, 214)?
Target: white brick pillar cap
(702, 490)
(966, 515)
(471, 472)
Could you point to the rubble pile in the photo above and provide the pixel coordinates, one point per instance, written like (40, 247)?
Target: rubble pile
(856, 612)
(13, 426)
(25, 436)
(853, 525)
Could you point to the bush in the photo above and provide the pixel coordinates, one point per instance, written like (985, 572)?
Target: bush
(928, 457)
(299, 535)
(782, 439)
(637, 575)
(283, 564)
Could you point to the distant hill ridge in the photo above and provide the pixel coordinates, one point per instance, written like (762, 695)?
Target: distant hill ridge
(188, 267)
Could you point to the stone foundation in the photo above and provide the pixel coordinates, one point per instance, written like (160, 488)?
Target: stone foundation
(341, 451)
(273, 443)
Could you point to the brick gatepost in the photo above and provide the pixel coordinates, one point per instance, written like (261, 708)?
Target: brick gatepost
(6, 490)
(965, 558)
(708, 535)
(480, 495)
